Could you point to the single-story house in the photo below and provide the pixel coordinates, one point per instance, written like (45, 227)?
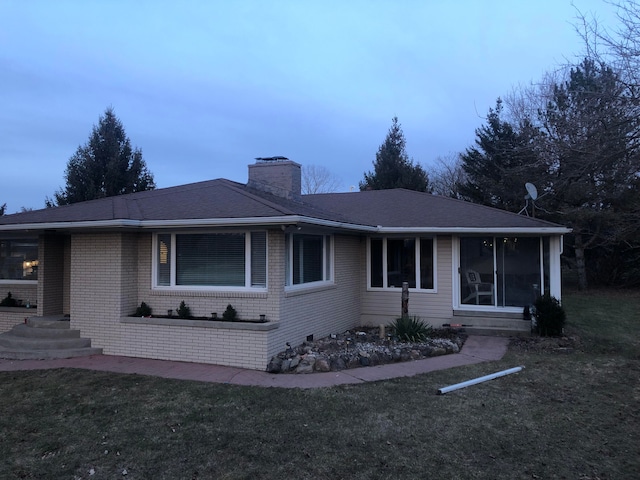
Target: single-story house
(298, 266)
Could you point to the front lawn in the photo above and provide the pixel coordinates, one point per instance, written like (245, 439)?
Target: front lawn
(566, 415)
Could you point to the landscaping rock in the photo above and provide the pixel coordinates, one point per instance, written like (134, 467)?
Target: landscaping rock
(306, 364)
(323, 364)
(362, 347)
(275, 365)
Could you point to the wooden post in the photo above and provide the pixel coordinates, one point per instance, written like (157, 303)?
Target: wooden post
(405, 299)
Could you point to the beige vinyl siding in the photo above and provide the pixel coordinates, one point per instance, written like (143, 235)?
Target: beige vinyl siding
(382, 307)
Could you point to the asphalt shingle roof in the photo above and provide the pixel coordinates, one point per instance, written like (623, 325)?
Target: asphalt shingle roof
(408, 208)
(223, 199)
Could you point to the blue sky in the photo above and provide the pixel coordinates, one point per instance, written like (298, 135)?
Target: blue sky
(204, 87)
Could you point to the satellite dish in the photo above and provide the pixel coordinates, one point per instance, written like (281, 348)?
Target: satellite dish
(531, 190)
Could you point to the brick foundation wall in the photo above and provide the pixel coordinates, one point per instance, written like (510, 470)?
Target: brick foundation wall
(9, 317)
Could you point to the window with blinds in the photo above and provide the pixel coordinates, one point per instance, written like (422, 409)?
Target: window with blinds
(211, 260)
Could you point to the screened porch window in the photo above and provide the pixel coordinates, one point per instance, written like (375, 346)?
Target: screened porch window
(211, 260)
(503, 271)
(19, 259)
(393, 261)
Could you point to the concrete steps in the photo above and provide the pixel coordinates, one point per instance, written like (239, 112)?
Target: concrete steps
(42, 338)
(492, 323)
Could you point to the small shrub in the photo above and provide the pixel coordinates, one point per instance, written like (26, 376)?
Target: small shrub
(230, 314)
(143, 310)
(550, 316)
(8, 301)
(183, 310)
(411, 328)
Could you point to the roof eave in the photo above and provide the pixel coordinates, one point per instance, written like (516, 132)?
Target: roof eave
(181, 223)
(559, 230)
(275, 221)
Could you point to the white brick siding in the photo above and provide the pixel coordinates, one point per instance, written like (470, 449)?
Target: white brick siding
(105, 276)
(325, 310)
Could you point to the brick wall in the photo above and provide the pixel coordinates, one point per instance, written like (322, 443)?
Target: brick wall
(9, 317)
(282, 178)
(51, 275)
(325, 310)
(111, 275)
(13, 316)
(96, 297)
(20, 291)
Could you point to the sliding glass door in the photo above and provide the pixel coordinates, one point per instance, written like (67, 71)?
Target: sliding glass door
(502, 271)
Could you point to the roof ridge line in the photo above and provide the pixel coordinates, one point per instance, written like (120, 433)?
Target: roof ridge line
(242, 191)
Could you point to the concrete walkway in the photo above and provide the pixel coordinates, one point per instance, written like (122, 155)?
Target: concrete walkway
(476, 349)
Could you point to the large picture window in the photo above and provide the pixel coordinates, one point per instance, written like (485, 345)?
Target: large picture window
(211, 260)
(395, 260)
(19, 259)
(308, 259)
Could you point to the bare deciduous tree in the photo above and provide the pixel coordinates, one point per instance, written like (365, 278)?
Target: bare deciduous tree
(319, 179)
(447, 175)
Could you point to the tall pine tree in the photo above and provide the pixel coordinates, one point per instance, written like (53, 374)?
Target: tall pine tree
(591, 135)
(392, 167)
(105, 166)
(501, 162)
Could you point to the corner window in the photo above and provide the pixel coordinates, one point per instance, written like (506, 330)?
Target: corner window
(211, 260)
(395, 260)
(308, 259)
(19, 259)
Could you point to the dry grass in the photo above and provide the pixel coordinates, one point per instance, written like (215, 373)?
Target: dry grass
(574, 416)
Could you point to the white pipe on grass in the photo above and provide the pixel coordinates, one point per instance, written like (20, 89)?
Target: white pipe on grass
(468, 383)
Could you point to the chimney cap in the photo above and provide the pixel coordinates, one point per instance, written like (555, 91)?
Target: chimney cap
(271, 159)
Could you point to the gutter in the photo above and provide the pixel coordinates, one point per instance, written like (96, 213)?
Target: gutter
(275, 221)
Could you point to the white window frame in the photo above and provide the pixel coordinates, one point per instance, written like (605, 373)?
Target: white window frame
(247, 266)
(555, 277)
(417, 239)
(328, 266)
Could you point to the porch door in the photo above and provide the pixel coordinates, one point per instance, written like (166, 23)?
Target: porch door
(518, 271)
(500, 271)
(477, 267)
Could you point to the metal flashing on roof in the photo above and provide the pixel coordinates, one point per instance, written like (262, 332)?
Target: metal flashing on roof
(271, 159)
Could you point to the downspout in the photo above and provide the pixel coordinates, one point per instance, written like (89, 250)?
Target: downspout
(468, 383)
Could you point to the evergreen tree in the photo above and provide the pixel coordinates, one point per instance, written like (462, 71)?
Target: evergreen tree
(591, 134)
(105, 166)
(392, 167)
(501, 162)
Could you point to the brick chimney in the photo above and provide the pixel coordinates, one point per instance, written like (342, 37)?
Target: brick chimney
(276, 175)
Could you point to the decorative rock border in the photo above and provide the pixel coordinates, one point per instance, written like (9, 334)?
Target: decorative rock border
(361, 348)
